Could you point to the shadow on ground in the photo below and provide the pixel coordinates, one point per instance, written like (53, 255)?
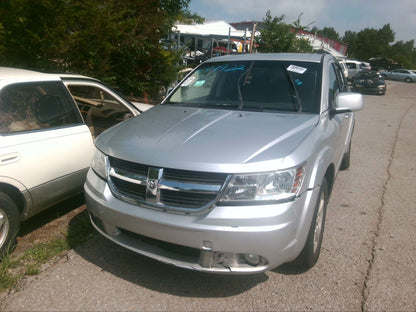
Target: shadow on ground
(49, 215)
(164, 278)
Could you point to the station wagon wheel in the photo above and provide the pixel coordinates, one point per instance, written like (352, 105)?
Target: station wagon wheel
(9, 224)
(310, 253)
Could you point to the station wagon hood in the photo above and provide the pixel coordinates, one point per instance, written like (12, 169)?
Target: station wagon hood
(207, 139)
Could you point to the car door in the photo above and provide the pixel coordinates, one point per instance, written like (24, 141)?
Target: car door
(46, 148)
(100, 106)
(403, 74)
(397, 75)
(353, 69)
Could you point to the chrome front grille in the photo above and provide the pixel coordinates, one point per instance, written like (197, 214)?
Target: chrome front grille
(169, 189)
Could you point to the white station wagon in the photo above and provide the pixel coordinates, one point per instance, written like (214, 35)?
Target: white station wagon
(46, 139)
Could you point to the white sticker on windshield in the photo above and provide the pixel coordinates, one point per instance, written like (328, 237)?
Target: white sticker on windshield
(188, 81)
(296, 69)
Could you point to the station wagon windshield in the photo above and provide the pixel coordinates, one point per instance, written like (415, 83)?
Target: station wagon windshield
(268, 86)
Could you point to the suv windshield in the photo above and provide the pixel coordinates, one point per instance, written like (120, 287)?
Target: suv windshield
(252, 85)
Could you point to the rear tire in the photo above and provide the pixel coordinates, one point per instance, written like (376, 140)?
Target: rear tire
(310, 252)
(9, 224)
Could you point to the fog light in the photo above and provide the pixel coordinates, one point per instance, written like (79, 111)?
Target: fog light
(252, 259)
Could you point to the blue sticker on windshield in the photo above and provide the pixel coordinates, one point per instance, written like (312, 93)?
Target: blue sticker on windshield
(225, 68)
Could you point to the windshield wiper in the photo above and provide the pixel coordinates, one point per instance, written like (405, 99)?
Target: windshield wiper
(295, 93)
(240, 95)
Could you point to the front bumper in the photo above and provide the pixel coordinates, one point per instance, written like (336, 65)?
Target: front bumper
(381, 89)
(225, 239)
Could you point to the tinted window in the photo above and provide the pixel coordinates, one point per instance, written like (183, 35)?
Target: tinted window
(334, 86)
(36, 105)
(351, 65)
(340, 77)
(252, 85)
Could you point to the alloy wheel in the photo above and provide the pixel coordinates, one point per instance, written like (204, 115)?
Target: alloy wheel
(4, 227)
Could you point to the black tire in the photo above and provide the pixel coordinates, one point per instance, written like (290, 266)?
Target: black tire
(408, 79)
(310, 252)
(9, 224)
(346, 159)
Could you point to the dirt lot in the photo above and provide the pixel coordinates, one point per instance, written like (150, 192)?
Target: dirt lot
(49, 224)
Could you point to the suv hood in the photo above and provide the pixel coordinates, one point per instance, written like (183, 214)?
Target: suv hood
(207, 139)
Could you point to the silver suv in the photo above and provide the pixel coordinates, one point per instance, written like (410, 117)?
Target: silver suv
(232, 173)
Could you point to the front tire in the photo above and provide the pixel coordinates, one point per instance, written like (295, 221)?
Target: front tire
(9, 224)
(310, 252)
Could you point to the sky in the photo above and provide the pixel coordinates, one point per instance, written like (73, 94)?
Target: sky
(342, 15)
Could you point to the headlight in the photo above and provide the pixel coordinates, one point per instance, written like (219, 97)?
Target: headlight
(275, 185)
(99, 164)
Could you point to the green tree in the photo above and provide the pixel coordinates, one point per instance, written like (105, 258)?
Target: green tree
(298, 26)
(2, 36)
(190, 18)
(117, 41)
(33, 31)
(403, 53)
(369, 42)
(326, 32)
(276, 36)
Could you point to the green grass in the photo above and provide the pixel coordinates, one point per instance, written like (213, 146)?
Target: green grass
(7, 280)
(14, 267)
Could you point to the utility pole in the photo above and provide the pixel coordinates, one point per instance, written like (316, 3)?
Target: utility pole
(229, 38)
(252, 36)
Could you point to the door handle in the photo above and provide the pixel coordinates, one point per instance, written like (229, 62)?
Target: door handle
(9, 158)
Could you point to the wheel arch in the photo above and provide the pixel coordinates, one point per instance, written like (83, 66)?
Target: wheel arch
(16, 195)
(323, 167)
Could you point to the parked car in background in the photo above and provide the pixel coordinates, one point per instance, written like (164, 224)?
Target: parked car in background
(344, 69)
(400, 75)
(45, 141)
(233, 171)
(354, 67)
(369, 82)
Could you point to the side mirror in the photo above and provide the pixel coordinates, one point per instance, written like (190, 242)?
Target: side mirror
(348, 102)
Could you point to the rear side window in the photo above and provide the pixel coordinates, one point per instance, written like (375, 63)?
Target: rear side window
(35, 106)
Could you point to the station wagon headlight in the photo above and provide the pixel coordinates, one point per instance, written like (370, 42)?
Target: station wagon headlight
(278, 185)
(99, 163)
